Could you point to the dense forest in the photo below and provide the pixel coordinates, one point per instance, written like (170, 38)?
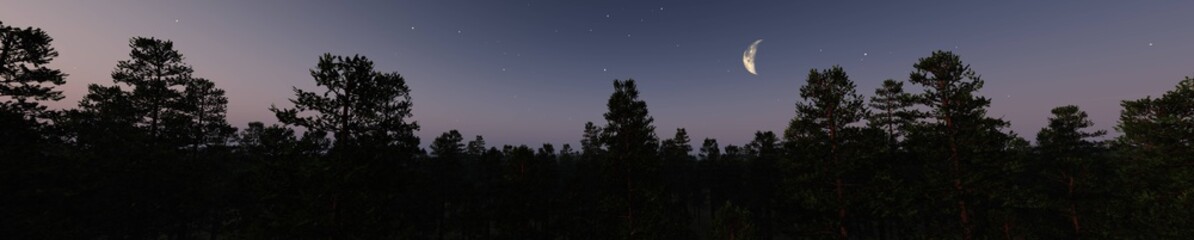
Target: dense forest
(151, 156)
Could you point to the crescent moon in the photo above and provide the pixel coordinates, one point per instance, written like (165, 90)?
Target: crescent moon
(748, 57)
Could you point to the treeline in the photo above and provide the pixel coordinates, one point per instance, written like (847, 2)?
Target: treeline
(151, 156)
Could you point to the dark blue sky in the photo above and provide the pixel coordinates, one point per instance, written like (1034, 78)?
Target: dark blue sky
(529, 72)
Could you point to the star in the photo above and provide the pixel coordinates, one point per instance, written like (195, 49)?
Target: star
(1150, 44)
(503, 69)
(864, 54)
(176, 21)
(604, 70)
(457, 31)
(607, 15)
(412, 28)
(627, 35)
(660, 8)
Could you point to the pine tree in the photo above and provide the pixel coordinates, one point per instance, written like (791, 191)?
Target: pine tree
(361, 107)
(676, 173)
(629, 136)
(28, 165)
(205, 107)
(445, 170)
(633, 166)
(588, 212)
(821, 132)
(155, 72)
(24, 77)
(1070, 164)
(373, 153)
(163, 99)
(155, 112)
(709, 150)
(762, 181)
(476, 147)
(449, 145)
(892, 111)
(590, 142)
(957, 131)
(709, 178)
(1157, 146)
(893, 190)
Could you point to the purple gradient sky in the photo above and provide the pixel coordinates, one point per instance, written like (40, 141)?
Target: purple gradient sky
(529, 72)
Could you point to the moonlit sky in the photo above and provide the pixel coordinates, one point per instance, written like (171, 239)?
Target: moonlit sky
(530, 72)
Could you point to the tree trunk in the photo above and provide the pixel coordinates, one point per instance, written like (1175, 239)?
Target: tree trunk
(956, 169)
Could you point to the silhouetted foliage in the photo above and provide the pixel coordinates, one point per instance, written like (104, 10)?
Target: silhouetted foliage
(27, 152)
(24, 77)
(152, 157)
(960, 145)
(1154, 168)
(1069, 160)
(892, 111)
(360, 107)
(824, 152)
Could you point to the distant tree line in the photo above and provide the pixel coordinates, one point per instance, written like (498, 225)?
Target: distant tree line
(151, 156)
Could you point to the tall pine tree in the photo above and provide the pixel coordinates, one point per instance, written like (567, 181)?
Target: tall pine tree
(958, 141)
(632, 167)
(1069, 162)
(820, 136)
(368, 114)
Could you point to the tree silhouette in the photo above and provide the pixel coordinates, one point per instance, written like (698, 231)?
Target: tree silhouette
(359, 106)
(156, 122)
(762, 183)
(26, 142)
(24, 77)
(820, 133)
(156, 73)
(629, 136)
(1155, 172)
(366, 112)
(633, 165)
(680, 194)
(956, 130)
(892, 111)
(1069, 154)
(205, 106)
(152, 156)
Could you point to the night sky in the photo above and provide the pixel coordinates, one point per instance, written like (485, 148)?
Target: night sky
(530, 72)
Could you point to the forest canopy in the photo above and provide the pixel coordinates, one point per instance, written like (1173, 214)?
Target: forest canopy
(151, 155)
